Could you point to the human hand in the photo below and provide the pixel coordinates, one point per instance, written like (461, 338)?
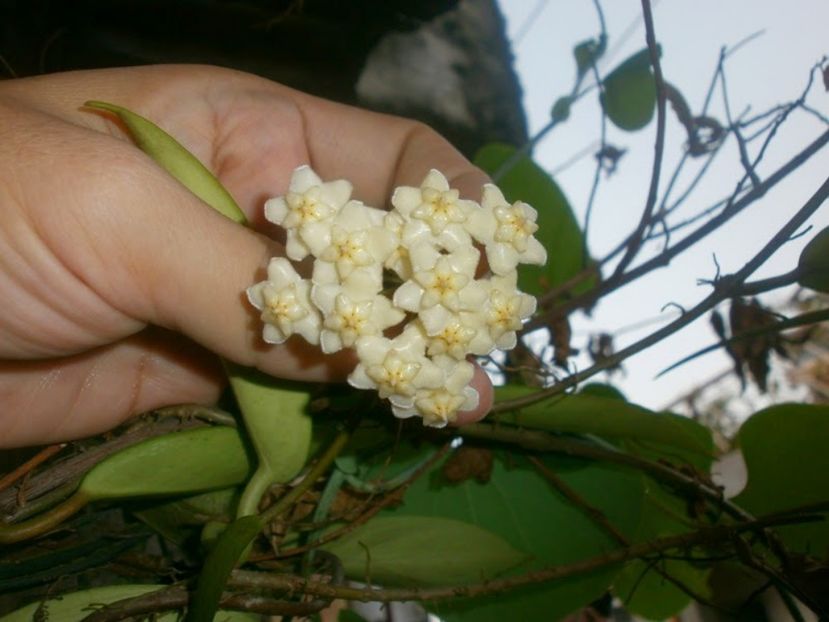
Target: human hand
(118, 284)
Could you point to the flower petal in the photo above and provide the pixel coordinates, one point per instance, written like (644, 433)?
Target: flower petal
(406, 198)
(336, 193)
(275, 210)
(303, 178)
(435, 179)
(408, 296)
(502, 258)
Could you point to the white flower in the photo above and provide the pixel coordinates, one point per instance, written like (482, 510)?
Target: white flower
(460, 334)
(308, 205)
(396, 368)
(399, 260)
(348, 319)
(427, 240)
(506, 231)
(506, 310)
(441, 405)
(433, 213)
(356, 238)
(285, 303)
(441, 283)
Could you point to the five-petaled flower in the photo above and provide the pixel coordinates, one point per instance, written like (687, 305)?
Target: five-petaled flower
(426, 240)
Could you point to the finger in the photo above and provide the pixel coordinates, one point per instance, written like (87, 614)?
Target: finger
(87, 394)
(482, 384)
(138, 240)
(253, 132)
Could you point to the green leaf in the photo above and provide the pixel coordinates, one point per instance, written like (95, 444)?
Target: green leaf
(348, 615)
(176, 519)
(521, 507)
(223, 558)
(588, 53)
(561, 109)
(598, 389)
(77, 605)
(401, 550)
(608, 417)
(629, 94)
(813, 266)
(276, 417)
(644, 590)
(178, 463)
(176, 160)
(785, 452)
(650, 595)
(558, 230)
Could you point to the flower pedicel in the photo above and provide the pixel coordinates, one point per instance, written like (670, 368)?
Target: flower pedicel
(428, 242)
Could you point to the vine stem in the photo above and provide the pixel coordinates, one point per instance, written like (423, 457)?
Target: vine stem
(42, 523)
(715, 535)
(724, 288)
(320, 467)
(732, 208)
(659, 145)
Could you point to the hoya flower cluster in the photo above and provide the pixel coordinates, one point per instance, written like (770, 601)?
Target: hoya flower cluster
(438, 308)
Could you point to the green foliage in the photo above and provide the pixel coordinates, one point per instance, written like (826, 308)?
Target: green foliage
(785, 452)
(598, 389)
(222, 559)
(176, 160)
(77, 605)
(423, 550)
(561, 109)
(178, 463)
(813, 265)
(645, 590)
(588, 52)
(276, 418)
(588, 413)
(558, 230)
(521, 507)
(175, 519)
(629, 93)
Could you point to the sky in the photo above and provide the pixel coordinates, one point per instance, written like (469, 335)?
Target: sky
(770, 69)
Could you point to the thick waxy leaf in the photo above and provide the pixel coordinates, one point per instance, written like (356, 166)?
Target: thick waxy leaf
(223, 558)
(176, 160)
(647, 588)
(521, 507)
(629, 97)
(275, 414)
(813, 266)
(178, 463)
(785, 452)
(653, 596)
(609, 417)
(423, 550)
(558, 230)
(77, 605)
(176, 519)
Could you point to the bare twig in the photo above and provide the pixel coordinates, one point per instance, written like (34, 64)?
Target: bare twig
(707, 536)
(731, 209)
(659, 146)
(30, 465)
(391, 498)
(724, 288)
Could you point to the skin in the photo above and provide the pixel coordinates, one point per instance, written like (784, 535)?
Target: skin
(119, 287)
